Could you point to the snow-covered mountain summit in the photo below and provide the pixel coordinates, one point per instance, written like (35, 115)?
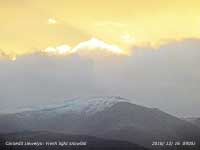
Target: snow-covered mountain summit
(92, 104)
(87, 105)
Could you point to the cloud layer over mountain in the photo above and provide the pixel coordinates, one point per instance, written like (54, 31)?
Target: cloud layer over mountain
(167, 78)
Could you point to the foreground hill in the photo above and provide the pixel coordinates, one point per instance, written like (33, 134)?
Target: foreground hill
(61, 141)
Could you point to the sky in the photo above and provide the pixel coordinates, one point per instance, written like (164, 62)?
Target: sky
(147, 51)
(27, 26)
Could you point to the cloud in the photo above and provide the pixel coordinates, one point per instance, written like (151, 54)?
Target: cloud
(90, 48)
(5, 55)
(94, 44)
(128, 38)
(86, 48)
(60, 50)
(168, 78)
(52, 21)
(37, 79)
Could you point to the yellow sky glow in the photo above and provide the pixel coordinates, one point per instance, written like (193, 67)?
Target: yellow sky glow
(34, 25)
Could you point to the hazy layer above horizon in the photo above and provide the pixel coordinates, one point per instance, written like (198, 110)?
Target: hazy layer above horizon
(167, 78)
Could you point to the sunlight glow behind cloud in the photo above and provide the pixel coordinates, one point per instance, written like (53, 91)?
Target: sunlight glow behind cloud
(92, 45)
(60, 50)
(95, 44)
(27, 26)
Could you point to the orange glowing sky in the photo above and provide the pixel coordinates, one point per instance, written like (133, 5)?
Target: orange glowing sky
(28, 26)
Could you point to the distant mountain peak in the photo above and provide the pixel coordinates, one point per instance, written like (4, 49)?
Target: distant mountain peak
(92, 104)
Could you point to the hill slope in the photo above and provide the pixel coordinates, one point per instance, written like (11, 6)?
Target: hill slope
(105, 117)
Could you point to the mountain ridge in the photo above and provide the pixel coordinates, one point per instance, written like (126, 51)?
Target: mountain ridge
(122, 121)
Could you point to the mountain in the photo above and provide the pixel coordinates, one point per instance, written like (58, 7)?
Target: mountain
(87, 105)
(195, 121)
(61, 141)
(109, 118)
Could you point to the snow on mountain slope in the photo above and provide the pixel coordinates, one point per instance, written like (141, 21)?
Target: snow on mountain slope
(93, 104)
(87, 106)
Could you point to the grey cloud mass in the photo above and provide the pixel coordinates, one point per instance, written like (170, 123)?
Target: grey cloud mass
(168, 78)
